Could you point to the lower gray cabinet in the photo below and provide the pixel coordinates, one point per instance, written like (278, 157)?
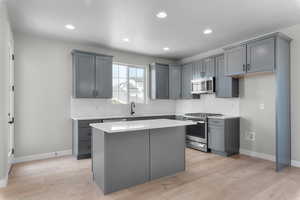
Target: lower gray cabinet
(224, 136)
(167, 156)
(226, 87)
(82, 134)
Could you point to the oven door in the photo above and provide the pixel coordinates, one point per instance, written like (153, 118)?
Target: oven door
(197, 132)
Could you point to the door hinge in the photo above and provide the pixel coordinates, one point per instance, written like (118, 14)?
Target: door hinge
(13, 56)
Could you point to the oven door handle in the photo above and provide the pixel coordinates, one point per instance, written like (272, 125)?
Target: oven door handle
(200, 122)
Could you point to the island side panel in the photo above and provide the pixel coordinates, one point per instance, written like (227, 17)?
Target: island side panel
(126, 159)
(167, 151)
(98, 157)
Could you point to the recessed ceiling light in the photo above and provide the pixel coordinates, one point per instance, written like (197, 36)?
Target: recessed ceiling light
(161, 14)
(207, 31)
(166, 48)
(126, 40)
(70, 26)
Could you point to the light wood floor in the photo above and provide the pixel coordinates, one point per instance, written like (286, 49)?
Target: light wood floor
(207, 176)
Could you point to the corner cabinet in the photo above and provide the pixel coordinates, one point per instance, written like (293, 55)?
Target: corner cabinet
(159, 81)
(252, 57)
(175, 81)
(92, 75)
(226, 86)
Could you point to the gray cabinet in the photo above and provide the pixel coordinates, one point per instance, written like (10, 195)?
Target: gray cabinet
(235, 60)
(103, 77)
(251, 57)
(261, 56)
(224, 136)
(226, 86)
(209, 67)
(92, 75)
(83, 75)
(175, 81)
(198, 70)
(159, 81)
(187, 76)
(81, 142)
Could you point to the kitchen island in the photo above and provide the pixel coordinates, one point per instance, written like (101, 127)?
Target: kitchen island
(128, 153)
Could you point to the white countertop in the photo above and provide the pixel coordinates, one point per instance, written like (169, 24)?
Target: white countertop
(124, 126)
(223, 117)
(116, 116)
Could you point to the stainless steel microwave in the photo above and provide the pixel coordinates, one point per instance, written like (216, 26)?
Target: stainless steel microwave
(203, 85)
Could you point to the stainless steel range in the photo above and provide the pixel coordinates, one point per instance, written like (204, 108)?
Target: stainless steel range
(196, 135)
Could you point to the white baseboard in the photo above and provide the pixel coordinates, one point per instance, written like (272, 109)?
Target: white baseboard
(258, 155)
(42, 156)
(3, 182)
(264, 156)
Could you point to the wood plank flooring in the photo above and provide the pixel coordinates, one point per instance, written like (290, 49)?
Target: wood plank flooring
(207, 176)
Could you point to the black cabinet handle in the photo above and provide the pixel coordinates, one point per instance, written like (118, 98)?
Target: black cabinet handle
(248, 67)
(244, 67)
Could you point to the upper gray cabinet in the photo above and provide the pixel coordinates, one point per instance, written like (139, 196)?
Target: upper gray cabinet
(252, 57)
(187, 76)
(235, 60)
(226, 86)
(261, 55)
(209, 67)
(159, 81)
(175, 81)
(92, 75)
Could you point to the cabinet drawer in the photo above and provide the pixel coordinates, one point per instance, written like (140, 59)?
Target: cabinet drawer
(216, 122)
(86, 123)
(84, 134)
(85, 147)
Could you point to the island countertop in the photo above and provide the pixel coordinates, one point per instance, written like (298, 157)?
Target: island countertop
(125, 126)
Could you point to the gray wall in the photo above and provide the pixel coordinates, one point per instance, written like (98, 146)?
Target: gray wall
(257, 111)
(43, 91)
(5, 39)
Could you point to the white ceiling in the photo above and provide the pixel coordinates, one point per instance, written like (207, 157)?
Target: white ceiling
(107, 22)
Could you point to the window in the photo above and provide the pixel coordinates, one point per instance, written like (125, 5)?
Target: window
(128, 83)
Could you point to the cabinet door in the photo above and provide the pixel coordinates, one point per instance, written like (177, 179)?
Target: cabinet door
(261, 56)
(84, 75)
(103, 77)
(235, 61)
(197, 69)
(187, 75)
(162, 81)
(226, 86)
(209, 67)
(216, 138)
(175, 81)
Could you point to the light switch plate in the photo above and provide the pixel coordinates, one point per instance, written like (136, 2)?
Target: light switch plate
(262, 106)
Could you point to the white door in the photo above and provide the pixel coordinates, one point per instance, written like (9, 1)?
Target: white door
(11, 115)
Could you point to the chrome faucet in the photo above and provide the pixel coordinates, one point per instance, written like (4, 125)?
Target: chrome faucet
(132, 106)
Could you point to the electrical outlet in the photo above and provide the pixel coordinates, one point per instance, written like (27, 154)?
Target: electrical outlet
(250, 136)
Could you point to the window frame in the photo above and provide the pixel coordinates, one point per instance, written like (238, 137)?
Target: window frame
(144, 78)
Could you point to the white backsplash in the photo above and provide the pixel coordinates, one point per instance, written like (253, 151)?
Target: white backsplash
(104, 107)
(210, 104)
